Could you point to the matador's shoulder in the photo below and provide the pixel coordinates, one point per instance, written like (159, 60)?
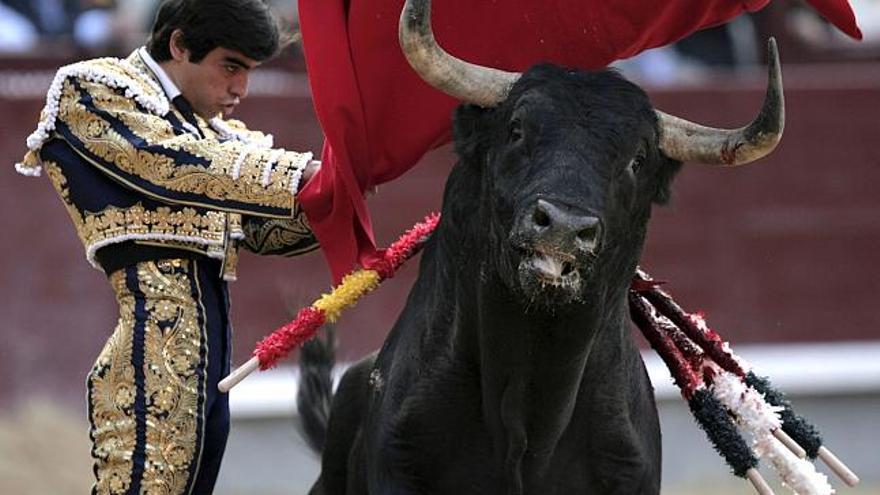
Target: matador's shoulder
(128, 76)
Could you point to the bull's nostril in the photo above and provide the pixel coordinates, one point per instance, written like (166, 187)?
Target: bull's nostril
(587, 235)
(566, 268)
(541, 218)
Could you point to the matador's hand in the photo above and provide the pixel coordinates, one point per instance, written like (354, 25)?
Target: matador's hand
(311, 169)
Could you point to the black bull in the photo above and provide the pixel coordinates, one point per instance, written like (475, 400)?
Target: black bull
(512, 368)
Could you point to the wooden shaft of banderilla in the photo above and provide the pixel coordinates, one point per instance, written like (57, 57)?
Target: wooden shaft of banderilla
(238, 374)
(839, 468)
(790, 443)
(758, 482)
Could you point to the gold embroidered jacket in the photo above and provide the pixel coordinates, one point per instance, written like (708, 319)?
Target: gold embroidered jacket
(130, 168)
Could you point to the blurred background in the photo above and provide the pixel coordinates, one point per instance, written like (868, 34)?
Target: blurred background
(781, 256)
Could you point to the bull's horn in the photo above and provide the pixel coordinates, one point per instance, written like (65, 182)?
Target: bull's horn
(469, 83)
(689, 142)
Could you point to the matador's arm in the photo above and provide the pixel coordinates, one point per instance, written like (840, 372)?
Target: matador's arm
(144, 152)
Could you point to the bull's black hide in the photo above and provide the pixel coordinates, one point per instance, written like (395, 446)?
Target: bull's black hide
(512, 369)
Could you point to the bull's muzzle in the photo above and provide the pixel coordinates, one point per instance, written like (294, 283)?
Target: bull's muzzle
(557, 244)
(561, 229)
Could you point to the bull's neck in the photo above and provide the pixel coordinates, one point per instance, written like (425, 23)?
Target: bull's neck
(531, 367)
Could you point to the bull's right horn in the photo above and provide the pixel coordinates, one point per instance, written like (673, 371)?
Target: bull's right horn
(689, 142)
(469, 83)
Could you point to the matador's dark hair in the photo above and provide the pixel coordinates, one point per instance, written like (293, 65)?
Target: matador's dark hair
(246, 26)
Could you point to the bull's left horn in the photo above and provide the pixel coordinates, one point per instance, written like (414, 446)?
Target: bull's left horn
(689, 142)
(469, 83)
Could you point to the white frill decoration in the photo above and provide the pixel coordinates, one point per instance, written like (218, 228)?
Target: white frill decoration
(90, 71)
(239, 162)
(28, 171)
(299, 168)
(754, 415)
(226, 132)
(267, 168)
(214, 248)
(796, 473)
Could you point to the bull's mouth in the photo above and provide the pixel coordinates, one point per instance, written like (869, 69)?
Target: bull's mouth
(551, 278)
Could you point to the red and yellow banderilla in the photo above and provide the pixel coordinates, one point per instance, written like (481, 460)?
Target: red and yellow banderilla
(329, 307)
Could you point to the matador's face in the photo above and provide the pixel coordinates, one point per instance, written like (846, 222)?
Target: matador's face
(214, 85)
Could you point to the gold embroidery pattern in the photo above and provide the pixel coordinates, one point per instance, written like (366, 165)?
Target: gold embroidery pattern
(230, 261)
(159, 223)
(59, 182)
(111, 385)
(138, 80)
(214, 182)
(173, 341)
(275, 236)
(240, 127)
(187, 228)
(135, 60)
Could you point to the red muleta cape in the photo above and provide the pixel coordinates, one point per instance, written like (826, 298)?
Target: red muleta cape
(379, 117)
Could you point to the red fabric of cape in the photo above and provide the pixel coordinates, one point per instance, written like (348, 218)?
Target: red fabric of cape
(379, 118)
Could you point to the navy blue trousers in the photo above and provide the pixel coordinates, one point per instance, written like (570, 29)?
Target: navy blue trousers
(157, 422)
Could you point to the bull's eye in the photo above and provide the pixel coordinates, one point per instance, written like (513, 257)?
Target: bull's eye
(636, 163)
(514, 131)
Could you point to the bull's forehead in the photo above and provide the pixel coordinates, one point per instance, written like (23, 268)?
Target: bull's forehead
(596, 126)
(603, 94)
(579, 132)
(577, 110)
(564, 141)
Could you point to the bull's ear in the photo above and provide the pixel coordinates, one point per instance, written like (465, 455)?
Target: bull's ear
(466, 131)
(663, 180)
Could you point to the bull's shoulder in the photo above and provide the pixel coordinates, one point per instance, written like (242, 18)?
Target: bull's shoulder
(430, 419)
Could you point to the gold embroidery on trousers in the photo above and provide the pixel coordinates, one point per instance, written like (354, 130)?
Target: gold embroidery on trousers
(111, 399)
(172, 355)
(173, 370)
